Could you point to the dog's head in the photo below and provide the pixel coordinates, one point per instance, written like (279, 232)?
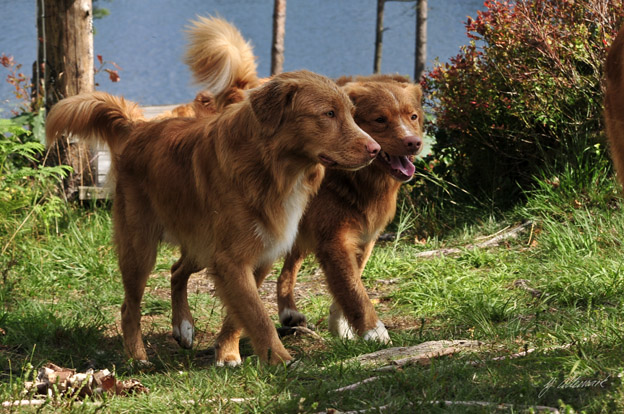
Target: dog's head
(318, 118)
(389, 109)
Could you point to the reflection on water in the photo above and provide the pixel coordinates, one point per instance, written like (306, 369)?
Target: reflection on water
(146, 39)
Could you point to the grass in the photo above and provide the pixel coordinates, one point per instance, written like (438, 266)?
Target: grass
(60, 299)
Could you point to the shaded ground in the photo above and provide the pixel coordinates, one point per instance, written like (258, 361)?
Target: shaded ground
(208, 314)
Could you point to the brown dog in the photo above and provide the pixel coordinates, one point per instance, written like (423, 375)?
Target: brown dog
(230, 189)
(614, 102)
(343, 221)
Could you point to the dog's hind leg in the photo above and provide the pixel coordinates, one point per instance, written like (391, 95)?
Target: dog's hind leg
(227, 343)
(343, 260)
(182, 319)
(287, 308)
(137, 241)
(237, 288)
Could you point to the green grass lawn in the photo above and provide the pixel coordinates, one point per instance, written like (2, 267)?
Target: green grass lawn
(556, 289)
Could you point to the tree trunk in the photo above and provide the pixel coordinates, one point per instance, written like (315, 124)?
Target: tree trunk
(279, 29)
(65, 32)
(379, 36)
(421, 39)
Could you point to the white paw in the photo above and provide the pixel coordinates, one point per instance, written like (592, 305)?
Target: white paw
(338, 325)
(233, 363)
(184, 333)
(379, 333)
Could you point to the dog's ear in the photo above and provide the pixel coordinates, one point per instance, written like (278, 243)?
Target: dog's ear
(355, 91)
(416, 91)
(269, 101)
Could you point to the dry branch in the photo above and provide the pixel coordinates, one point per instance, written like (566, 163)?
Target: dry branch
(528, 351)
(499, 406)
(485, 404)
(492, 242)
(356, 385)
(418, 354)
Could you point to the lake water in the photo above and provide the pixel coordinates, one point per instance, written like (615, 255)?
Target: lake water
(332, 37)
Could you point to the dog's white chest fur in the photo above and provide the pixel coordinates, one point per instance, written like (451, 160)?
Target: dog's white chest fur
(276, 245)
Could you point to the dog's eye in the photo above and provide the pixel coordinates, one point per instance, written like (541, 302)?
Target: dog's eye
(380, 120)
(414, 117)
(330, 114)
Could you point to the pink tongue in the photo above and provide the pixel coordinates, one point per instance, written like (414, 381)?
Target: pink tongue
(402, 164)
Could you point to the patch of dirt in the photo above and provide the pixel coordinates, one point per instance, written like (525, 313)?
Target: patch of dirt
(156, 328)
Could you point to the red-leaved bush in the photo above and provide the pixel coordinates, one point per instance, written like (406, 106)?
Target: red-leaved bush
(525, 94)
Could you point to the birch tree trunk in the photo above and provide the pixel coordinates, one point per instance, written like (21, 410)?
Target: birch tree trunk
(421, 39)
(279, 29)
(379, 36)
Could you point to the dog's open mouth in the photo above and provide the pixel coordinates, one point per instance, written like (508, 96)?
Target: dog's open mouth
(399, 166)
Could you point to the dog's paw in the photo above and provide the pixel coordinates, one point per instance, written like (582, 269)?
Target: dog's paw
(379, 333)
(338, 325)
(183, 333)
(291, 317)
(229, 361)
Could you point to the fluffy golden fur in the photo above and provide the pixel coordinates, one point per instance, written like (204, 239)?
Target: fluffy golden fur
(230, 189)
(219, 57)
(614, 102)
(343, 221)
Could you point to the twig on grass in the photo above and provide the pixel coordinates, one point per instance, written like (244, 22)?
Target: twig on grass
(528, 351)
(498, 406)
(524, 285)
(355, 385)
(492, 242)
(422, 354)
(484, 404)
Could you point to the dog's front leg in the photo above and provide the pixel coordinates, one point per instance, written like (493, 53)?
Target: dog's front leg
(342, 262)
(237, 287)
(227, 344)
(182, 319)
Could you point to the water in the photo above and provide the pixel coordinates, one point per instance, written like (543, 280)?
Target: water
(146, 39)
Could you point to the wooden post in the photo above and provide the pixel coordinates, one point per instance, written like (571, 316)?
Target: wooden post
(379, 36)
(66, 48)
(279, 29)
(421, 40)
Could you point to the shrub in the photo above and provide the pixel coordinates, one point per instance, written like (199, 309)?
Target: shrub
(523, 96)
(28, 196)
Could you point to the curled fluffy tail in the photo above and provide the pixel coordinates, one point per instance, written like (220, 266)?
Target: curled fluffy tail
(92, 117)
(219, 57)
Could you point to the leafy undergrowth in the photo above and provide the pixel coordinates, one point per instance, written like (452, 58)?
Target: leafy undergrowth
(552, 294)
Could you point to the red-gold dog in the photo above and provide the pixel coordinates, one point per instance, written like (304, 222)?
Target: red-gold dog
(343, 221)
(229, 188)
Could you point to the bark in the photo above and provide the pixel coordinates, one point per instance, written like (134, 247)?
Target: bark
(379, 36)
(65, 33)
(421, 39)
(279, 29)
